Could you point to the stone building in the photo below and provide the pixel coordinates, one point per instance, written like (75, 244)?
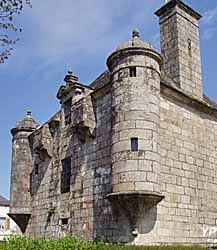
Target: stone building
(7, 225)
(131, 157)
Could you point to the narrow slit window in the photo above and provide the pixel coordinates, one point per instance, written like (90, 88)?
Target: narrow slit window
(189, 47)
(132, 71)
(134, 144)
(64, 221)
(36, 169)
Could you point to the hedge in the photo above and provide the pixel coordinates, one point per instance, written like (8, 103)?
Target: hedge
(20, 243)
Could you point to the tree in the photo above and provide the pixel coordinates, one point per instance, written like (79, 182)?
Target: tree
(9, 9)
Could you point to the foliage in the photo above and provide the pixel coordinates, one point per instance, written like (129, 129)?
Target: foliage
(19, 243)
(9, 9)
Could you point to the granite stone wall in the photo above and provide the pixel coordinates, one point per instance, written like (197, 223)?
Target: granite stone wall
(160, 190)
(187, 215)
(85, 205)
(21, 169)
(180, 47)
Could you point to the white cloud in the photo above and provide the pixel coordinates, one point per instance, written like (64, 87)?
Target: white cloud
(68, 30)
(210, 16)
(209, 22)
(208, 33)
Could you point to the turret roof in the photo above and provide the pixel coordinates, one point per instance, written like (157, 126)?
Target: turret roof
(135, 42)
(27, 123)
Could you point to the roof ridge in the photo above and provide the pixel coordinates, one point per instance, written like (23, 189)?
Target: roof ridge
(4, 201)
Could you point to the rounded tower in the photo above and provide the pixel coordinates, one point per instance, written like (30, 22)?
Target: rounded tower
(21, 170)
(135, 69)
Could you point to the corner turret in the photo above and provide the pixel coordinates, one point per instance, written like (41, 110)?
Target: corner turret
(135, 69)
(20, 172)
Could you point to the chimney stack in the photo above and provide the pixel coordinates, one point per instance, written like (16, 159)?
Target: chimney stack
(180, 46)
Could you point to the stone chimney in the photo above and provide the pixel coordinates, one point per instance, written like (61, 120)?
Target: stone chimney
(180, 46)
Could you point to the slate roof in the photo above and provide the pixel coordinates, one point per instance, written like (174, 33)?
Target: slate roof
(4, 202)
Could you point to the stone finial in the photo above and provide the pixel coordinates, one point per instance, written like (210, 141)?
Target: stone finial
(70, 78)
(29, 113)
(136, 33)
(69, 71)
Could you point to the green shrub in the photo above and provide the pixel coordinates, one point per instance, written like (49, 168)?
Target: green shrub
(21, 243)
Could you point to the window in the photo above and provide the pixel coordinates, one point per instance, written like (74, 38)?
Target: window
(189, 44)
(134, 144)
(67, 111)
(66, 175)
(189, 47)
(36, 169)
(64, 221)
(2, 223)
(132, 71)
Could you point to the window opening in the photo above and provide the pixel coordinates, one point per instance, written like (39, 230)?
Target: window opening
(67, 111)
(2, 223)
(66, 175)
(64, 221)
(134, 144)
(132, 71)
(36, 169)
(189, 46)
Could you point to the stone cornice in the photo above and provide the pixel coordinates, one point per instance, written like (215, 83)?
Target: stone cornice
(172, 93)
(173, 3)
(119, 54)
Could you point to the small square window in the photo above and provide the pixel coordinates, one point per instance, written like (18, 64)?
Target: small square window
(132, 71)
(134, 145)
(64, 221)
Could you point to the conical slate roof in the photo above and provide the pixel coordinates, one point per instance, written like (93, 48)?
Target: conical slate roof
(4, 202)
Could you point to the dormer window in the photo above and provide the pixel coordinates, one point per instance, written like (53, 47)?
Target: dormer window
(132, 71)
(67, 111)
(78, 91)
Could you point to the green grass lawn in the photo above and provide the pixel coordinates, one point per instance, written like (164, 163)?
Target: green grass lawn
(76, 244)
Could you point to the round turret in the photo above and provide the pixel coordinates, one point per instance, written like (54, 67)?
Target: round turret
(135, 69)
(21, 169)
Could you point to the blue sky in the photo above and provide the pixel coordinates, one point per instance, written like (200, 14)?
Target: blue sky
(80, 35)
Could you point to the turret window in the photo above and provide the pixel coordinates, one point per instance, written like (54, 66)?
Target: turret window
(134, 144)
(132, 71)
